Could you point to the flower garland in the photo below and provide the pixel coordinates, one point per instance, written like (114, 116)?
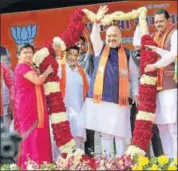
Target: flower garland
(44, 57)
(147, 98)
(119, 15)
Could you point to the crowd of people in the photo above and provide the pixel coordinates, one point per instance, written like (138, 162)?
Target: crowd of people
(96, 77)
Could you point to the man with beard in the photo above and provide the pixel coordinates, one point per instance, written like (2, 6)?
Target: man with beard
(106, 109)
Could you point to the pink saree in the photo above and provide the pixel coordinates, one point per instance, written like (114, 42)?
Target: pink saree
(36, 144)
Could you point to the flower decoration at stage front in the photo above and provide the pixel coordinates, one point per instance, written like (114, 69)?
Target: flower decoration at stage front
(147, 98)
(78, 161)
(44, 57)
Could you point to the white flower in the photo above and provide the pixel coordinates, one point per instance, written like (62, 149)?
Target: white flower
(30, 167)
(145, 116)
(51, 87)
(59, 42)
(58, 117)
(132, 150)
(40, 55)
(90, 15)
(13, 167)
(146, 79)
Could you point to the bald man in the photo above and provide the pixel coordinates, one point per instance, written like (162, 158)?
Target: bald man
(106, 109)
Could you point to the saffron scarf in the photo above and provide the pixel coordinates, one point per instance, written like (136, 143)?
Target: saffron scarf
(40, 106)
(39, 99)
(63, 80)
(160, 40)
(123, 77)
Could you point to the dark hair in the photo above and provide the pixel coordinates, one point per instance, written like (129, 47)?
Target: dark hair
(82, 38)
(163, 11)
(74, 47)
(23, 46)
(3, 51)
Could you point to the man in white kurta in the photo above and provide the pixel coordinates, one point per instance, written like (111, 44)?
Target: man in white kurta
(108, 117)
(166, 111)
(73, 98)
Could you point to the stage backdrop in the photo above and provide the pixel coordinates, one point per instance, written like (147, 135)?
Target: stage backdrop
(39, 26)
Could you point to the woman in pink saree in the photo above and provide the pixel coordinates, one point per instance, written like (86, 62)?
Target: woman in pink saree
(31, 117)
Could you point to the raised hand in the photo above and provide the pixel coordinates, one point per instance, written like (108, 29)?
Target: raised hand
(101, 12)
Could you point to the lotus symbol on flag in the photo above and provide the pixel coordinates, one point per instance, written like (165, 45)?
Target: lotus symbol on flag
(24, 34)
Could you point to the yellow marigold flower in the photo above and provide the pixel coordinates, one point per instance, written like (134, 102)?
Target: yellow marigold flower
(142, 161)
(175, 161)
(172, 167)
(137, 167)
(163, 160)
(154, 167)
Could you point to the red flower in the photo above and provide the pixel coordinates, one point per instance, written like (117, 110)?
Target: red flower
(74, 30)
(147, 108)
(147, 40)
(142, 124)
(50, 60)
(91, 161)
(147, 57)
(77, 15)
(64, 155)
(147, 97)
(143, 129)
(62, 133)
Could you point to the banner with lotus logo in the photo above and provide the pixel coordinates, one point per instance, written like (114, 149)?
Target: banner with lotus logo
(38, 27)
(22, 35)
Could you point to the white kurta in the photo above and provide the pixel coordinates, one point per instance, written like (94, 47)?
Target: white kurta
(74, 100)
(166, 102)
(108, 117)
(166, 107)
